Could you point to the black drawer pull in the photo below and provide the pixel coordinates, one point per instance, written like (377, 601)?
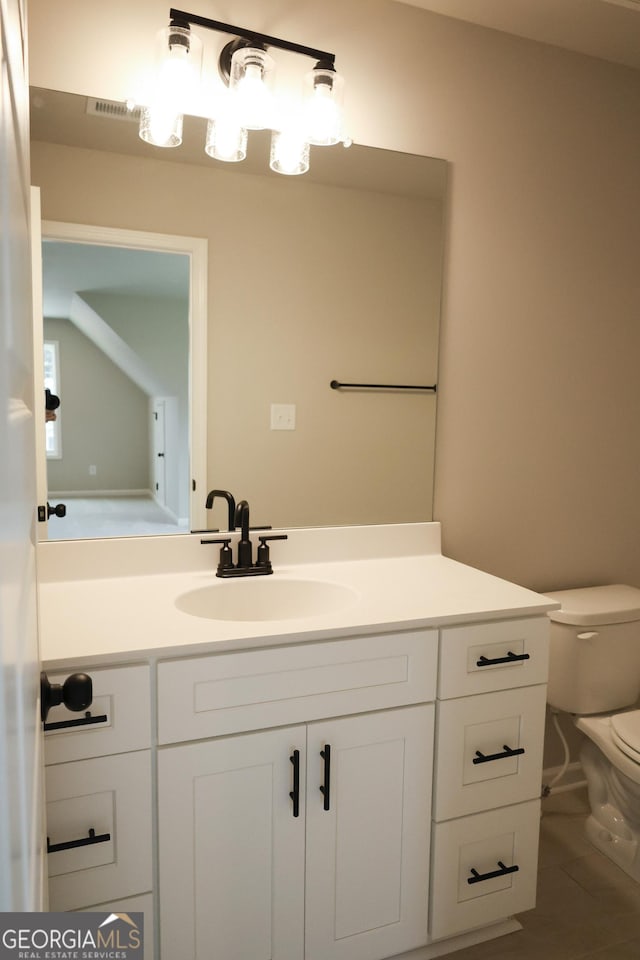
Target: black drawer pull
(80, 722)
(82, 842)
(502, 872)
(487, 758)
(295, 793)
(510, 658)
(326, 787)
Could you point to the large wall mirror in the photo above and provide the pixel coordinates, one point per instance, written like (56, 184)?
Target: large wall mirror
(335, 275)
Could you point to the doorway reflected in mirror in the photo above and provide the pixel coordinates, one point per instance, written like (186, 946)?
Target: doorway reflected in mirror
(116, 338)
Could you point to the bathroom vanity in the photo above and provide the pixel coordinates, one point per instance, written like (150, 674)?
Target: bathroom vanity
(341, 760)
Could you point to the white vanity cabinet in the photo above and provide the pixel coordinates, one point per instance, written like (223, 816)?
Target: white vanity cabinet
(99, 798)
(308, 839)
(489, 741)
(357, 784)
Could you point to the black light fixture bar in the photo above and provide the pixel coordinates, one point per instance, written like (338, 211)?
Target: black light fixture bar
(260, 38)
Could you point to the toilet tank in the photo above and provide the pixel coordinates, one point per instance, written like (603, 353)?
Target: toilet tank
(594, 654)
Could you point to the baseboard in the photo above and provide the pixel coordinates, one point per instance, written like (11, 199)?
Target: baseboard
(88, 494)
(480, 935)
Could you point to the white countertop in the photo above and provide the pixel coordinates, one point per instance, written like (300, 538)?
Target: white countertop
(90, 615)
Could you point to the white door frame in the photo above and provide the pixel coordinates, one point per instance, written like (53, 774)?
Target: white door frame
(197, 250)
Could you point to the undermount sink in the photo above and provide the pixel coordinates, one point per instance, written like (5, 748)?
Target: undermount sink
(265, 599)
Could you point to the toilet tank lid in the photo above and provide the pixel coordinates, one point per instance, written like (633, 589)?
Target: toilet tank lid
(588, 606)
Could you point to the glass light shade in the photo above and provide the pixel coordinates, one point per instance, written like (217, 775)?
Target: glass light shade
(289, 152)
(226, 140)
(252, 72)
(176, 80)
(160, 127)
(324, 92)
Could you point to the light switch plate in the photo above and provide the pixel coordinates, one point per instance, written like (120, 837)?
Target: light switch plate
(283, 416)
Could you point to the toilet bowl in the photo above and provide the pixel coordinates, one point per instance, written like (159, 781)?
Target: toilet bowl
(594, 674)
(613, 783)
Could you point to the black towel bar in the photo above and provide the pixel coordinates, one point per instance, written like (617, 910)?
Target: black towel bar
(336, 385)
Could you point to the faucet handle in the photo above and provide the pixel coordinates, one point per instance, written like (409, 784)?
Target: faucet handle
(226, 559)
(263, 559)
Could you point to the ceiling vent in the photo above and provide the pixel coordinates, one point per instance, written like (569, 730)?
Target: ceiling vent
(112, 110)
(630, 4)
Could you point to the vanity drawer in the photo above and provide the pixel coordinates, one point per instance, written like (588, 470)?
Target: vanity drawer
(489, 751)
(493, 656)
(117, 721)
(109, 797)
(142, 904)
(485, 849)
(250, 690)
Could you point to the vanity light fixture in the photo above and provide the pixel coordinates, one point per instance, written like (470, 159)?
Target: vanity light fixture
(178, 56)
(247, 101)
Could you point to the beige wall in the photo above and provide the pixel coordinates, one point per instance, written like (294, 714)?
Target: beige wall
(104, 419)
(157, 329)
(538, 444)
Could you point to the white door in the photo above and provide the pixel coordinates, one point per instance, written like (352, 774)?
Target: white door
(367, 865)
(231, 850)
(21, 856)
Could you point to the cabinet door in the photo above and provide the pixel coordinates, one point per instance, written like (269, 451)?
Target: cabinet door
(231, 851)
(367, 864)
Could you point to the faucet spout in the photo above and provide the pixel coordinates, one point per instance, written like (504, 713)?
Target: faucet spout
(244, 544)
(225, 495)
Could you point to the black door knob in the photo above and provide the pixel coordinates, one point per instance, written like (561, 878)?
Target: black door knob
(60, 510)
(76, 693)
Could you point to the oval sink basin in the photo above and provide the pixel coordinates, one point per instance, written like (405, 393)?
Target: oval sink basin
(265, 599)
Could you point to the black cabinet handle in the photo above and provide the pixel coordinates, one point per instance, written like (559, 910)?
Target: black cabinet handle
(82, 842)
(325, 789)
(80, 722)
(487, 758)
(502, 872)
(510, 658)
(295, 793)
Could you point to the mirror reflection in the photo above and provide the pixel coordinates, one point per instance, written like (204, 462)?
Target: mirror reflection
(332, 276)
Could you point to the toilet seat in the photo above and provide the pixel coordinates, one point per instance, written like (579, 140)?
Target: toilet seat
(625, 733)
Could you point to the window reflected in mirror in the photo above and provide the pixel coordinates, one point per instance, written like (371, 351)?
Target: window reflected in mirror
(53, 423)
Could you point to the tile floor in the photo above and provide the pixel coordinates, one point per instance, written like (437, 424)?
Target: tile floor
(588, 909)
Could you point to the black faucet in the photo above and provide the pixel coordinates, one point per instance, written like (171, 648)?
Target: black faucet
(245, 567)
(225, 495)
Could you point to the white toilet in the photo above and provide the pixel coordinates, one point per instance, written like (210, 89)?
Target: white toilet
(594, 673)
